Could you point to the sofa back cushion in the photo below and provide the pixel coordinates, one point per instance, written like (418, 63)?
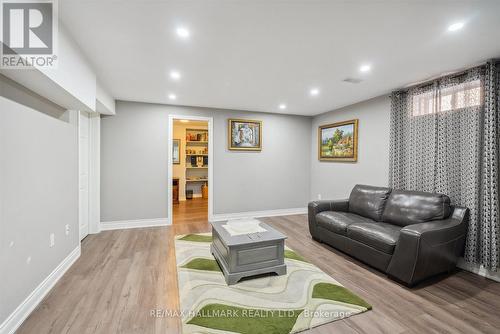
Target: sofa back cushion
(368, 201)
(413, 207)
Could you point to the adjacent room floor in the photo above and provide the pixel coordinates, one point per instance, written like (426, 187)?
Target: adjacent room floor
(190, 211)
(122, 275)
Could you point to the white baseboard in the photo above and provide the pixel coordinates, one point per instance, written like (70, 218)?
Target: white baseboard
(257, 214)
(479, 270)
(138, 223)
(12, 323)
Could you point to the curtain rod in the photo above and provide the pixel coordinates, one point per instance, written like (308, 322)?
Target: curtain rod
(441, 76)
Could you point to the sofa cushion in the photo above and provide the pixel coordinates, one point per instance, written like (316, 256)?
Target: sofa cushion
(337, 222)
(414, 207)
(368, 201)
(380, 236)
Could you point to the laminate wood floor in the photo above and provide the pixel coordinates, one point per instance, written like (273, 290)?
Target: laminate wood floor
(122, 275)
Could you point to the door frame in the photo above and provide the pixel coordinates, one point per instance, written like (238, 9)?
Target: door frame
(94, 177)
(95, 174)
(87, 116)
(170, 169)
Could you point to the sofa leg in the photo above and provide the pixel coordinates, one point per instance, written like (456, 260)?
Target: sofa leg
(395, 279)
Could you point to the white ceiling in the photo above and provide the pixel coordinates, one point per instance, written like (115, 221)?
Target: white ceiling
(254, 55)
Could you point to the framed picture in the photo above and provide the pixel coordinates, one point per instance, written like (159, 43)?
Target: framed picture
(338, 141)
(176, 149)
(245, 135)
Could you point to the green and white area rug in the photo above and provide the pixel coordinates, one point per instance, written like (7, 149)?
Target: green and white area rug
(303, 298)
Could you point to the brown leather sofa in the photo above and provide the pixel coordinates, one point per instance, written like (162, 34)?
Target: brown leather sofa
(409, 235)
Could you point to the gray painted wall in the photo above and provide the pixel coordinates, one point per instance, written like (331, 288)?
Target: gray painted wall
(334, 180)
(134, 162)
(38, 191)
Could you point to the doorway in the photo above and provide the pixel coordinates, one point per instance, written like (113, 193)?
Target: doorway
(190, 169)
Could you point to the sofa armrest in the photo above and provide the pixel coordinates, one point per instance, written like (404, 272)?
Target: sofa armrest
(426, 249)
(316, 207)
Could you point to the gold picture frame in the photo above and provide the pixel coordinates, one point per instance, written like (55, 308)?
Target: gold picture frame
(244, 135)
(338, 142)
(176, 151)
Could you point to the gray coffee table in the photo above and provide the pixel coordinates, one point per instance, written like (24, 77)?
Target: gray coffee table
(248, 254)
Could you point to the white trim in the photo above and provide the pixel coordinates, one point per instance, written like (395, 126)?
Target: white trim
(16, 318)
(95, 174)
(88, 116)
(257, 214)
(170, 169)
(478, 270)
(138, 223)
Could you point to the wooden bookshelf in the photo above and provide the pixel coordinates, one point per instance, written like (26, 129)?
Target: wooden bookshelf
(196, 148)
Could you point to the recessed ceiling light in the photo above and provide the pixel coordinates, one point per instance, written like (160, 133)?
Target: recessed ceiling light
(175, 75)
(314, 91)
(172, 96)
(182, 32)
(365, 68)
(184, 120)
(282, 106)
(456, 26)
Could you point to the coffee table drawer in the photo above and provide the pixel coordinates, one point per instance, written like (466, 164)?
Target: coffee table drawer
(257, 255)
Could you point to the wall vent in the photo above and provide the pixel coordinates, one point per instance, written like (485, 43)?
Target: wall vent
(352, 80)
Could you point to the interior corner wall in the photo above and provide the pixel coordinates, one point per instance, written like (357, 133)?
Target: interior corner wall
(335, 180)
(134, 162)
(38, 192)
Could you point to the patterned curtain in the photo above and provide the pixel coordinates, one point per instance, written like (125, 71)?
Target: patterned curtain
(488, 234)
(444, 138)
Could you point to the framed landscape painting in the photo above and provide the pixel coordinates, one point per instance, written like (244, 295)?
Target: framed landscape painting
(244, 135)
(338, 141)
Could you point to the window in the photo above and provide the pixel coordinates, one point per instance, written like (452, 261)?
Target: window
(456, 97)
